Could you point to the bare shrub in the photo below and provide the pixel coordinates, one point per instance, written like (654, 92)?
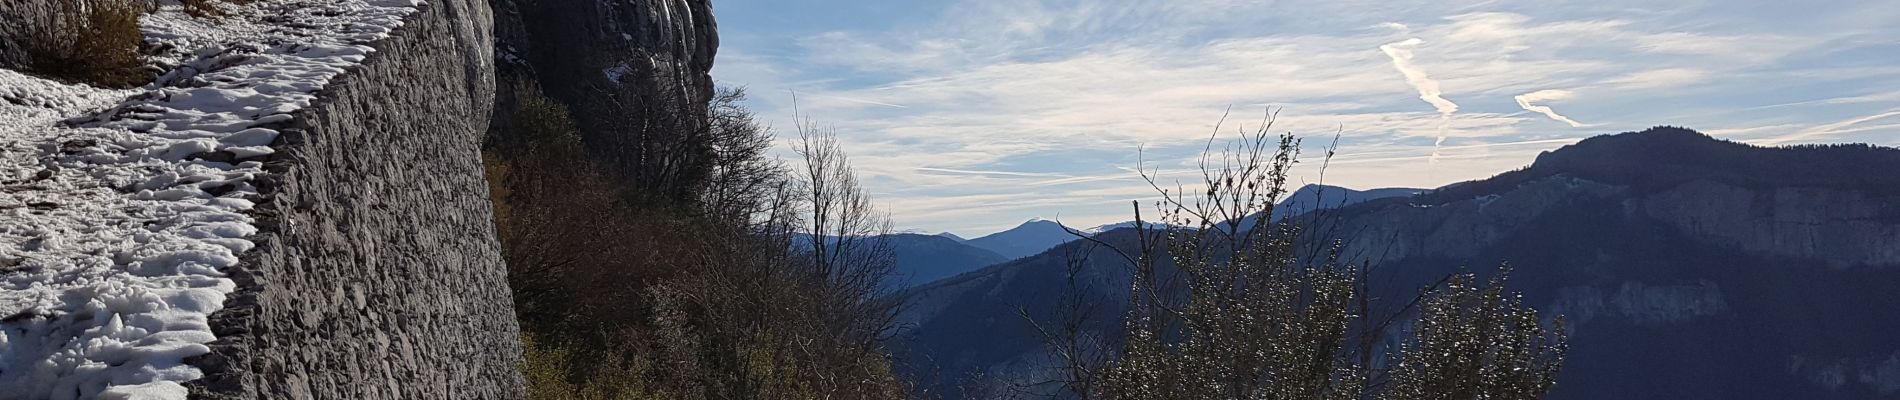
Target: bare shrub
(94, 42)
(711, 299)
(1226, 304)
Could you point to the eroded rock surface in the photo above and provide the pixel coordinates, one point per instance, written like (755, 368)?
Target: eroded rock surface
(378, 275)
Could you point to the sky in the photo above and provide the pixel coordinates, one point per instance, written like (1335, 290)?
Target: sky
(971, 116)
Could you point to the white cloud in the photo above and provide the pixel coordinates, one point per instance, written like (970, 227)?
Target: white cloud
(1850, 125)
(1659, 78)
(1061, 93)
(1525, 100)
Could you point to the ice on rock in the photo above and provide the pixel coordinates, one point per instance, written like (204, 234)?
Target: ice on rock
(120, 208)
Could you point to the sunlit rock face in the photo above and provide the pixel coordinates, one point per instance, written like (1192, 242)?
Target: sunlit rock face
(1840, 228)
(377, 273)
(1401, 228)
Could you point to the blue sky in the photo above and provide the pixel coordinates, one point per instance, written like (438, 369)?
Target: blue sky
(971, 116)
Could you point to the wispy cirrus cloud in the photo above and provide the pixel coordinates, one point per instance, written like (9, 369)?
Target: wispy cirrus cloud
(1039, 106)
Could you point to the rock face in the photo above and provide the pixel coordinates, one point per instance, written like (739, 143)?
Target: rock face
(635, 73)
(1398, 229)
(23, 18)
(1848, 228)
(377, 273)
(1317, 197)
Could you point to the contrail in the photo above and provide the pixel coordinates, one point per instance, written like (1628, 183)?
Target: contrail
(863, 101)
(1401, 54)
(1524, 100)
(1837, 127)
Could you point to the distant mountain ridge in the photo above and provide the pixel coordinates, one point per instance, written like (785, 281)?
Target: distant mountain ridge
(1665, 156)
(1027, 239)
(1687, 267)
(1314, 197)
(924, 258)
(919, 258)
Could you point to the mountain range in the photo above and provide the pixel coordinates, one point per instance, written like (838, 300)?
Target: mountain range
(1033, 236)
(922, 258)
(1685, 266)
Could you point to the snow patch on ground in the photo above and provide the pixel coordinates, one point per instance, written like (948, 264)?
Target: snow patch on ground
(616, 73)
(119, 209)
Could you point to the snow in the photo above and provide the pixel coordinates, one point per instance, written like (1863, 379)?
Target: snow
(115, 220)
(616, 73)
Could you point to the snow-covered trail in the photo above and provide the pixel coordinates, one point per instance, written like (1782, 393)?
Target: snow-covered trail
(118, 209)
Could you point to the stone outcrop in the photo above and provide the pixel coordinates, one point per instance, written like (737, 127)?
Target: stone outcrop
(1400, 228)
(636, 74)
(1839, 228)
(23, 18)
(377, 273)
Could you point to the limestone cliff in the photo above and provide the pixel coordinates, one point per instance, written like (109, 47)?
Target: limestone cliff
(636, 73)
(1837, 228)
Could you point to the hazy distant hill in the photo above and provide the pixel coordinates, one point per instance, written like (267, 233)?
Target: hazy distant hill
(925, 258)
(1688, 267)
(921, 258)
(1024, 240)
(1318, 197)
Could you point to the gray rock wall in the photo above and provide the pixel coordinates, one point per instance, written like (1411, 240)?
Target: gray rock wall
(19, 21)
(378, 275)
(1833, 228)
(636, 74)
(1459, 229)
(1838, 227)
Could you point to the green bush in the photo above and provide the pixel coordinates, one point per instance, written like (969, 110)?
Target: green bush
(545, 368)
